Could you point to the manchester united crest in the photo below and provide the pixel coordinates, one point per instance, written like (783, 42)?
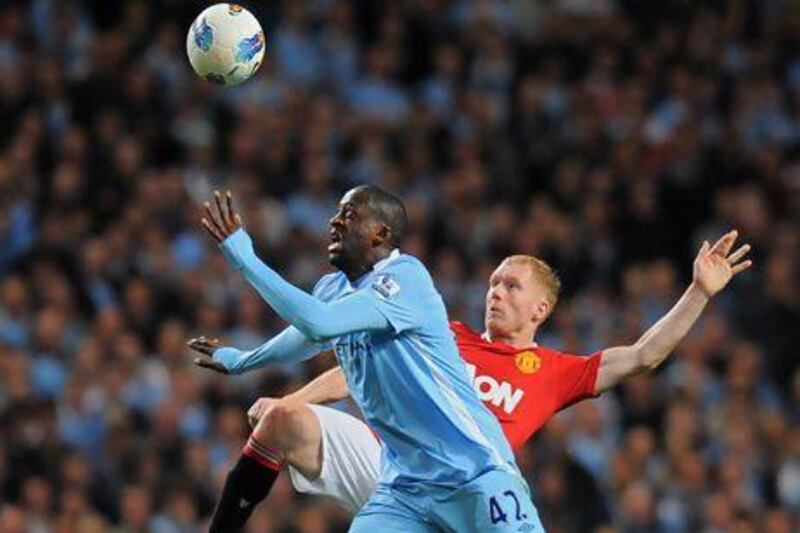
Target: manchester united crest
(528, 362)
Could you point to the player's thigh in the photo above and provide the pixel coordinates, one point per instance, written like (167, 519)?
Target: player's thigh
(350, 460)
(495, 501)
(294, 430)
(385, 513)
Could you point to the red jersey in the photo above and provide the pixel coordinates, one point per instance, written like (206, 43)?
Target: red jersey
(524, 388)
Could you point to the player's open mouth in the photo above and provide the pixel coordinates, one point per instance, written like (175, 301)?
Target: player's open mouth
(336, 242)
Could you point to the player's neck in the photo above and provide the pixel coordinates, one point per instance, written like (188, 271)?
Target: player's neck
(355, 271)
(517, 339)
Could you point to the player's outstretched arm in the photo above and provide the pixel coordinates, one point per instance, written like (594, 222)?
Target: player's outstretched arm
(714, 267)
(288, 346)
(330, 386)
(315, 319)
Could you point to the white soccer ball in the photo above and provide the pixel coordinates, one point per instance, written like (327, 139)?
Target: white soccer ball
(225, 44)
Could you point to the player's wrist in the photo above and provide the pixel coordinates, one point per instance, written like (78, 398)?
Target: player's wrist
(697, 289)
(228, 357)
(237, 248)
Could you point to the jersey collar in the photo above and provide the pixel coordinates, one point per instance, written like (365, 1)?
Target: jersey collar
(394, 254)
(485, 336)
(380, 265)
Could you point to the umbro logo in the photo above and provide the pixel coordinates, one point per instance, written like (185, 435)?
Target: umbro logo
(244, 503)
(524, 528)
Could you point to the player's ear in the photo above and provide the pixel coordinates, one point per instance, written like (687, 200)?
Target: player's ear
(541, 310)
(381, 234)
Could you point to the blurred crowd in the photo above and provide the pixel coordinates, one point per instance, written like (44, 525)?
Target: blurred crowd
(606, 137)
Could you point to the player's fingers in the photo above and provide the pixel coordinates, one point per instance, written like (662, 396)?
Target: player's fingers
(238, 220)
(223, 212)
(212, 230)
(254, 413)
(214, 217)
(200, 346)
(704, 248)
(212, 343)
(738, 254)
(232, 216)
(211, 365)
(192, 343)
(258, 414)
(227, 213)
(730, 241)
(718, 244)
(744, 265)
(724, 245)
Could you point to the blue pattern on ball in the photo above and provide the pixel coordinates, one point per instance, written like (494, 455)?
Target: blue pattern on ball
(203, 36)
(249, 47)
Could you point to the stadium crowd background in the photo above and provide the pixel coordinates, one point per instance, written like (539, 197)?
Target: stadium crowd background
(607, 137)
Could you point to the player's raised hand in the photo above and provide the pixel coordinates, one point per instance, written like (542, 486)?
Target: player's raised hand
(258, 409)
(205, 347)
(715, 265)
(221, 221)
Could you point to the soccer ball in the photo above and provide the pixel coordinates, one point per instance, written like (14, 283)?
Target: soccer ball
(225, 44)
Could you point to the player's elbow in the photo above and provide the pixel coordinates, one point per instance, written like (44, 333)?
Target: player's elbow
(646, 358)
(316, 330)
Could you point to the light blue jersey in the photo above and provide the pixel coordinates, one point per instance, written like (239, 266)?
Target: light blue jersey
(390, 334)
(446, 464)
(410, 381)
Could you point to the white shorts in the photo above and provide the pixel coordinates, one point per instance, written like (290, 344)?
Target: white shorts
(351, 460)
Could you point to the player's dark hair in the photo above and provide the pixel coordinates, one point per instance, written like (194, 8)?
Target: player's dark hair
(388, 209)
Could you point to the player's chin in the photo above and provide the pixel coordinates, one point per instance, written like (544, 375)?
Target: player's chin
(493, 316)
(335, 258)
(494, 323)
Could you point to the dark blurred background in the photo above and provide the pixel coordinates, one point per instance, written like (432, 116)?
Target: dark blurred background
(607, 137)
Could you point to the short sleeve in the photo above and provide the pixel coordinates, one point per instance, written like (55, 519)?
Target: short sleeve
(576, 377)
(399, 294)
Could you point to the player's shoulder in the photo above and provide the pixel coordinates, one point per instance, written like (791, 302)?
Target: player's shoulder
(462, 331)
(552, 353)
(406, 265)
(405, 271)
